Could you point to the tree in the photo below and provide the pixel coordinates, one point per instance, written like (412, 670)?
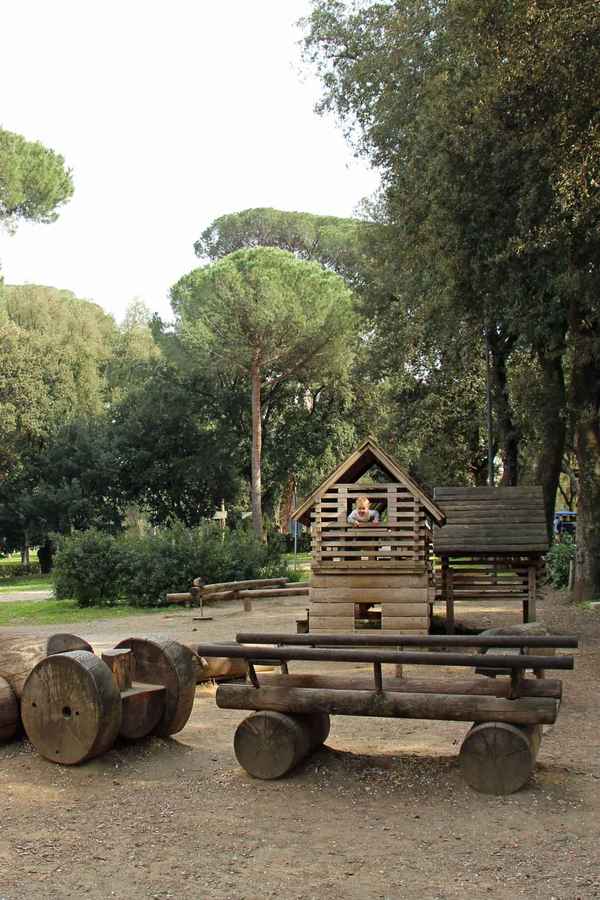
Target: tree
(484, 122)
(263, 313)
(34, 182)
(329, 240)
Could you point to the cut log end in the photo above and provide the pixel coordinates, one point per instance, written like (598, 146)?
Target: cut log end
(498, 757)
(9, 712)
(269, 744)
(71, 707)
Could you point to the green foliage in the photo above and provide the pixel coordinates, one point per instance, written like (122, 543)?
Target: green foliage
(96, 568)
(558, 560)
(10, 571)
(33, 180)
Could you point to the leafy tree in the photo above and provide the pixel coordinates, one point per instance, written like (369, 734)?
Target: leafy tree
(263, 313)
(34, 182)
(334, 242)
(484, 122)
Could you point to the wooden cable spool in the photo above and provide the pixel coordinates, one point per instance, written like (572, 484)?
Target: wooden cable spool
(498, 757)
(71, 707)
(19, 653)
(268, 744)
(9, 712)
(172, 665)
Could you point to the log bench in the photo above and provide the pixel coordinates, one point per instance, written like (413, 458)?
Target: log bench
(291, 712)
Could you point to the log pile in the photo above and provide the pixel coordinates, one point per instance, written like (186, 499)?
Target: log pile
(245, 591)
(73, 705)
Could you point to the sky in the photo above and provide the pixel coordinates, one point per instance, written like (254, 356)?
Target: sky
(169, 114)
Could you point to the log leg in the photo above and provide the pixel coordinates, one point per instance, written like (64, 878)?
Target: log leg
(9, 712)
(498, 758)
(269, 744)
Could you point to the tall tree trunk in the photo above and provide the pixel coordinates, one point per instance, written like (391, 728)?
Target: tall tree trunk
(509, 433)
(25, 549)
(554, 429)
(256, 486)
(585, 404)
(286, 504)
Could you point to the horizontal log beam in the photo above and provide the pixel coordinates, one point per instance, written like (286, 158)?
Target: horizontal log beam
(241, 585)
(491, 687)
(347, 654)
(427, 640)
(446, 707)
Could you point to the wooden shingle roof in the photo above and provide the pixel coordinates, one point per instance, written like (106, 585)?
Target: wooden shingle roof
(490, 520)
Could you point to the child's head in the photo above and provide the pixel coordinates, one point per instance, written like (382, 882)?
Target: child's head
(362, 505)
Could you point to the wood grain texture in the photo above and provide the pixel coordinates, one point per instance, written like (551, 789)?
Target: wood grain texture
(20, 653)
(9, 712)
(498, 757)
(71, 707)
(269, 744)
(167, 663)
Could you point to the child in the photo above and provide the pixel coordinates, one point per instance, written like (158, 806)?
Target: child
(362, 515)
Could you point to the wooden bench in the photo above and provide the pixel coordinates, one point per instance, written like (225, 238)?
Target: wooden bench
(291, 711)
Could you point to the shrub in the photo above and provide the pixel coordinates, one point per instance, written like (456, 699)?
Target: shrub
(558, 560)
(10, 571)
(96, 568)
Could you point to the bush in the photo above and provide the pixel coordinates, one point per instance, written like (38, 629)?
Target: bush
(10, 571)
(558, 559)
(96, 568)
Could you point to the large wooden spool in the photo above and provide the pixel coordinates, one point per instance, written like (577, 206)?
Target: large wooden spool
(268, 744)
(71, 707)
(9, 712)
(498, 757)
(19, 653)
(172, 665)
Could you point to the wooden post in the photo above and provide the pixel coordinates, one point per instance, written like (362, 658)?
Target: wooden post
(498, 758)
(268, 744)
(9, 712)
(530, 613)
(120, 663)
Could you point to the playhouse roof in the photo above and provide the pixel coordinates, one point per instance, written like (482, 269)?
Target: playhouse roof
(484, 520)
(369, 453)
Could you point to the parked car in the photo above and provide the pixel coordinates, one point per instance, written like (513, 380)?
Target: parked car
(565, 522)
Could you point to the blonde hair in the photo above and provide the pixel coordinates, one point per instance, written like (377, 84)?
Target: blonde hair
(363, 499)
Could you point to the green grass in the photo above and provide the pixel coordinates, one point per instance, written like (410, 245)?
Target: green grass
(26, 583)
(11, 560)
(53, 612)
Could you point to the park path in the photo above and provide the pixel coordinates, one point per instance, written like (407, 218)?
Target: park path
(11, 596)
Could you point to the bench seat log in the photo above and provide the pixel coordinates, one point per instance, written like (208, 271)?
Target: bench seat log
(392, 704)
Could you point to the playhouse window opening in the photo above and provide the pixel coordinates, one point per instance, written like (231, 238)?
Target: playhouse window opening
(375, 502)
(367, 616)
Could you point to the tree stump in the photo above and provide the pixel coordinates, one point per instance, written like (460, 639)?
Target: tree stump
(497, 757)
(268, 744)
(19, 653)
(9, 712)
(71, 707)
(169, 664)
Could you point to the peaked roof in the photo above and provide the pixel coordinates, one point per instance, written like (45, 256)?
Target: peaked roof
(491, 520)
(369, 453)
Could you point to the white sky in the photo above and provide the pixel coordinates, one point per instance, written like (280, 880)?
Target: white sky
(169, 114)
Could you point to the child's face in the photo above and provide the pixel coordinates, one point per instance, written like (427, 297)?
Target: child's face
(362, 508)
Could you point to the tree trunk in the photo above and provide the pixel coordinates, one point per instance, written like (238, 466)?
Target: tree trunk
(256, 486)
(508, 430)
(25, 549)
(585, 403)
(553, 428)
(286, 504)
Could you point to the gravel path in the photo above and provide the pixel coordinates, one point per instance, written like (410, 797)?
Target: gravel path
(380, 813)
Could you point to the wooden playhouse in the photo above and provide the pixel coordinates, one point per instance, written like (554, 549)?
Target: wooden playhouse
(491, 549)
(376, 576)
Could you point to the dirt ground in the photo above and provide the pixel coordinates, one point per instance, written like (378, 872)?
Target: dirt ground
(380, 813)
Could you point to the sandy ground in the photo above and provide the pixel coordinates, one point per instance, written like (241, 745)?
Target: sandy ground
(380, 812)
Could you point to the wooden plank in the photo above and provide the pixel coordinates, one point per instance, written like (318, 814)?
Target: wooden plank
(382, 567)
(401, 595)
(331, 623)
(331, 609)
(454, 547)
(378, 582)
(486, 493)
(402, 610)
(401, 623)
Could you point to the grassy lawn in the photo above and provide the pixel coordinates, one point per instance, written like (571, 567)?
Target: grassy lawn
(53, 612)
